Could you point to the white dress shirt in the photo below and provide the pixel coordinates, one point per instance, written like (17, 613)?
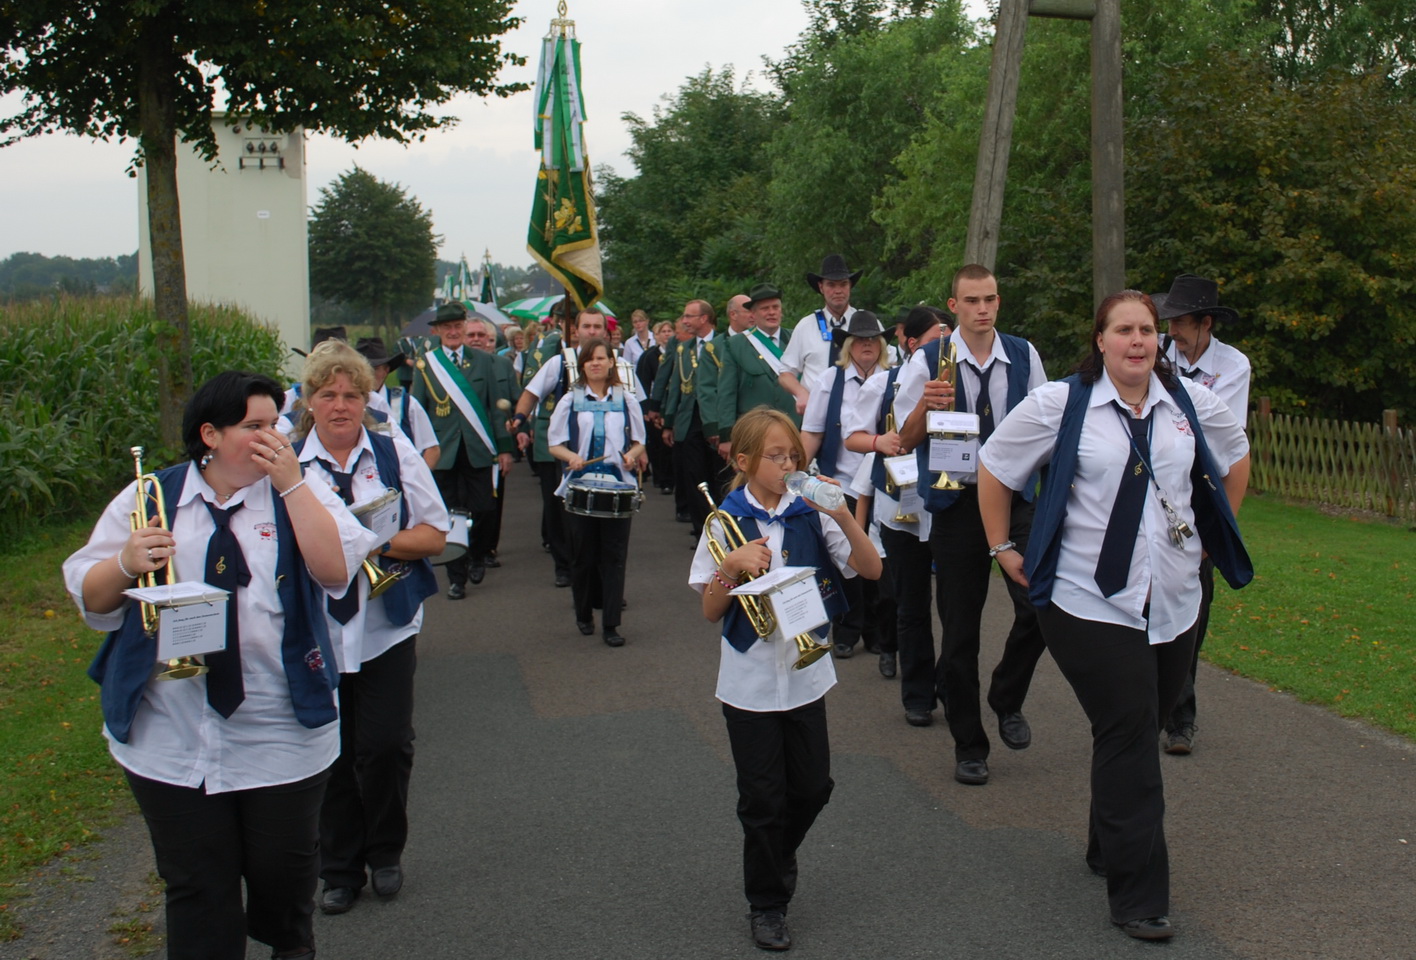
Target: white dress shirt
(1162, 574)
(813, 420)
(369, 632)
(807, 354)
(617, 425)
(422, 436)
(177, 737)
(549, 375)
(862, 418)
(633, 349)
(918, 372)
(1223, 369)
(763, 678)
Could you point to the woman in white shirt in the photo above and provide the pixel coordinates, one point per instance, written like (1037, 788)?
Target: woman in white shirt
(862, 340)
(1113, 564)
(228, 768)
(597, 431)
(364, 819)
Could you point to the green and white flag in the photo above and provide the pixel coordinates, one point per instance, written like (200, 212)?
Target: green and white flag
(563, 236)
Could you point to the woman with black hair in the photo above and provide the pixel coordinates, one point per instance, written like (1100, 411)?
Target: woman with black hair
(1138, 461)
(228, 768)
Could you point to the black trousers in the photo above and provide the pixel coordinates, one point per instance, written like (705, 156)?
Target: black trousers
(364, 819)
(783, 761)
(863, 618)
(1125, 685)
(599, 547)
(963, 568)
(494, 527)
(661, 466)
(700, 464)
(206, 845)
(465, 487)
(907, 558)
(553, 513)
(1184, 713)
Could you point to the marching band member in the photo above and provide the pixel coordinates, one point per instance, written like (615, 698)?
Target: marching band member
(776, 715)
(597, 429)
(1114, 569)
(229, 768)
(364, 820)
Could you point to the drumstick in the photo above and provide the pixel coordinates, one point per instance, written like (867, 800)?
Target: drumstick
(596, 460)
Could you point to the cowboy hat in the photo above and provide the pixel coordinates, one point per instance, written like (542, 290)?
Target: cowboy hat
(1188, 295)
(862, 323)
(833, 267)
(373, 350)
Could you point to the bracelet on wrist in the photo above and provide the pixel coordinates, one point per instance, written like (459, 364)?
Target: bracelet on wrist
(123, 569)
(285, 493)
(727, 584)
(1003, 547)
(519, 419)
(873, 441)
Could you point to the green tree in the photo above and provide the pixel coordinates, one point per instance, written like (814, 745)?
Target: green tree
(693, 214)
(372, 247)
(152, 71)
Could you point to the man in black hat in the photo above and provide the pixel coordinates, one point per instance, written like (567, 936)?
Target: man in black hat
(410, 416)
(993, 374)
(752, 362)
(458, 388)
(1191, 308)
(812, 349)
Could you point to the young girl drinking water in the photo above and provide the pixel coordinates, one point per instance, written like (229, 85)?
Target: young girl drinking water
(776, 715)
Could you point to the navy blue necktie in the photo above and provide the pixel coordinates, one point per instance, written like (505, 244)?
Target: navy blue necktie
(345, 607)
(985, 402)
(1113, 568)
(226, 568)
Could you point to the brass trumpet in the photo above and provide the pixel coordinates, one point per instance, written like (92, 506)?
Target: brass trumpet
(890, 487)
(948, 364)
(758, 613)
(379, 578)
(179, 668)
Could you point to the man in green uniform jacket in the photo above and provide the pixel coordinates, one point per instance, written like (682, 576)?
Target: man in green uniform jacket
(751, 363)
(688, 385)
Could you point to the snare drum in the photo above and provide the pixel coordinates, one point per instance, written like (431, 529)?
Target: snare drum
(457, 539)
(602, 497)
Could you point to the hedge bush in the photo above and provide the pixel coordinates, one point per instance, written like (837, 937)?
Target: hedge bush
(78, 382)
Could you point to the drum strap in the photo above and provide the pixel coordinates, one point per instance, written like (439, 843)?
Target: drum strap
(583, 403)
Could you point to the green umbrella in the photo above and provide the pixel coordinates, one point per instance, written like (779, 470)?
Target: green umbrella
(534, 308)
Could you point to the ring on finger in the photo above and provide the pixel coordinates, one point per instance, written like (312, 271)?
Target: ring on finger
(149, 550)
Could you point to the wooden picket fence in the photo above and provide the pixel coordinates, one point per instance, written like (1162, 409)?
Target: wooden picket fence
(1364, 466)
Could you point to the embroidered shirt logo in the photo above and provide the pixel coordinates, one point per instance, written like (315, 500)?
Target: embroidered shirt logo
(266, 531)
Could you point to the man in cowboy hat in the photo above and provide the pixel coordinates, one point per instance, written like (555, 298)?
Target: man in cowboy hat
(411, 418)
(812, 349)
(752, 363)
(458, 388)
(1190, 309)
(994, 373)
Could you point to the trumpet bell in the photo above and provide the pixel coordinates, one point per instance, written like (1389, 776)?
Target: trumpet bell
(944, 483)
(182, 668)
(809, 651)
(379, 579)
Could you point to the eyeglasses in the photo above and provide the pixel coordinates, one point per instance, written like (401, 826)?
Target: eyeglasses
(782, 459)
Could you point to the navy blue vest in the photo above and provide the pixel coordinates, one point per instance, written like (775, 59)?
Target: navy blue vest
(803, 545)
(877, 471)
(830, 450)
(1019, 372)
(1218, 530)
(401, 601)
(124, 663)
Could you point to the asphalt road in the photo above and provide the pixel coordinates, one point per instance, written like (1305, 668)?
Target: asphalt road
(575, 801)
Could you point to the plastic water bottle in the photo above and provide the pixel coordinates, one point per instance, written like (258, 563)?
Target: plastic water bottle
(818, 491)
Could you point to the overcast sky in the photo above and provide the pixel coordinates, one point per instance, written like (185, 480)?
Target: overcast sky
(63, 195)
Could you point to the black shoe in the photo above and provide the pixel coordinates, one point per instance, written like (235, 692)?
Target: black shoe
(562, 578)
(586, 627)
(612, 638)
(475, 574)
(972, 772)
(387, 881)
(1097, 870)
(624, 604)
(769, 930)
(338, 899)
(683, 516)
(1148, 928)
(492, 562)
(887, 666)
(919, 718)
(457, 591)
(1014, 731)
(842, 651)
(1181, 741)
(667, 491)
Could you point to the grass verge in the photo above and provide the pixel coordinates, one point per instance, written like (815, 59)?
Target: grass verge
(1329, 615)
(58, 786)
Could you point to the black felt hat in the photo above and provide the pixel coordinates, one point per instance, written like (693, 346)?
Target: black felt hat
(1190, 294)
(321, 335)
(862, 323)
(833, 267)
(374, 351)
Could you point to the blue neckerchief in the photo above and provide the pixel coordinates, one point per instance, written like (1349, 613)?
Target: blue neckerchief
(737, 504)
